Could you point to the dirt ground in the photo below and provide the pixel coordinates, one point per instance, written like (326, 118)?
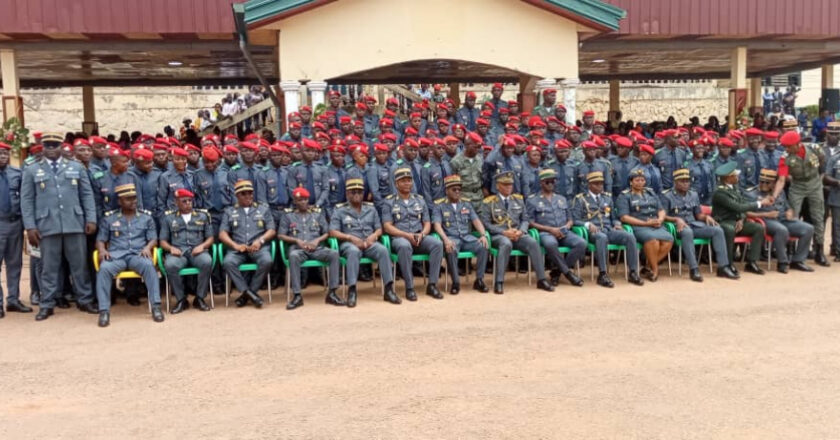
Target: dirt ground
(756, 358)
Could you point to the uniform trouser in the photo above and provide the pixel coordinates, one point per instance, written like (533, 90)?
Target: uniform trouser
(173, 265)
(835, 227)
(404, 250)
(91, 246)
(233, 259)
(816, 207)
(53, 249)
(278, 270)
(11, 252)
(571, 241)
(613, 236)
(36, 268)
(110, 268)
(753, 230)
(525, 244)
(353, 254)
(475, 247)
(297, 256)
(715, 233)
(782, 230)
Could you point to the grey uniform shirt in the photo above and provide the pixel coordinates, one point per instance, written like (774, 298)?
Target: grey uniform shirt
(14, 177)
(595, 209)
(168, 183)
(56, 203)
(186, 235)
(497, 218)
(644, 206)
(407, 215)
(305, 226)
(126, 236)
(455, 219)
(359, 224)
(245, 227)
(553, 211)
(685, 206)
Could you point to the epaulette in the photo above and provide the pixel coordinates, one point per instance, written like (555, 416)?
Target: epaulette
(650, 190)
(579, 195)
(111, 212)
(516, 196)
(427, 165)
(289, 209)
(235, 167)
(491, 199)
(204, 211)
(399, 161)
(666, 191)
(722, 187)
(349, 165)
(367, 203)
(626, 191)
(314, 209)
(440, 200)
(389, 196)
(149, 213)
(171, 212)
(341, 205)
(295, 163)
(606, 194)
(98, 175)
(532, 195)
(255, 205)
(752, 188)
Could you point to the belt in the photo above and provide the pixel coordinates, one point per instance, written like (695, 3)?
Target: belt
(9, 218)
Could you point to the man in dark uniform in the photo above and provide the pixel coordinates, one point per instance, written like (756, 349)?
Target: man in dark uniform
(469, 164)
(11, 232)
(187, 236)
(246, 229)
(58, 209)
(622, 163)
(433, 174)
(105, 181)
(309, 174)
(249, 170)
(503, 160)
(305, 227)
(356, 224)
(179, 177)
(591, 163)
(503, 215)
(565, 169)
(701, 171)
(452, 219)
(729, 208)
(147, 177)
(752, 160)
(669, 158)
(405, 217)
(125, 241)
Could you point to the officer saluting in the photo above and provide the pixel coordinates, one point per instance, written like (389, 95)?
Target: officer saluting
(452, 219)
(304, 228)
(11, 231)
(186, 234)
(58, 210)
(357, 225)
(130, 237)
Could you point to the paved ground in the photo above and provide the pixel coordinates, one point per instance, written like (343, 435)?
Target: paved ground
(757, 358)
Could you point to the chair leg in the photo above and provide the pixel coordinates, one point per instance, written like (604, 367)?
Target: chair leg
(288, 298)
(167, 295)
(679, 260)
(269, 288)
(212, 300)
(592, 268)
(529, 271)
(626, 272)
(709, 250)
(227, 291)
(344, 286)
(446, 278)
(769, 255)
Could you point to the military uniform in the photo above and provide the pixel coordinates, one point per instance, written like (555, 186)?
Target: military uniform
(432, 176)
(470, 170)
(147, 189)
(554, 211)
(360, 224)
(687, 207)
(781, 229)
(244, 228)
(378, 177)
(186, 235)
(832, 170)
(653, 177)
(103, 184)
(254, 175)
(11, 231)
(307, 226)
(499, 214)
(621, 167)
(597, 210)
(530, 179)
(212, 194)
(168, 183)
(335, 188)
(313, 178)
(730, 206)
(468, 116)
(586, 167)
(495, 164)
(644, 206)
(566, 174)
(408, 215)
(806, 184)
(126, 238)
(455, 220)
(416, 181)
(751, 162)
(702, 179)
(668, 160)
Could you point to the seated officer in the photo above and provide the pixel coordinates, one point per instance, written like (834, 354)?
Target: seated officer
(503, 214)
(405, 217)
(550, 214)
(304, 227)
(186, 234)
(246, 229)
(682, 207)
(356, 224)
(452, 219)
(594, 211)
(781, 225)
(125, 241)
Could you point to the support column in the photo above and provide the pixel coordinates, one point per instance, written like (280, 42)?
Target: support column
(827, 79)
(88, 111)
(755, 102)
(828, 92)
(12, 102)
(455, 93)
(316, 92)
(569, 98)
(738, 79)
(291, 97)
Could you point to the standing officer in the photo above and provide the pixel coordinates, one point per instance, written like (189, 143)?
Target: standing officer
(11, 232)
(669, 158)
(565, 169)
(752, 160)
(248, 169)
(304, 227)
(832, 181)
(130, 236)
(550, 214)
(187, 236)
(147, 177)
(405, 217)
(503, 215)
(503, 160)
(729, 208)
(452, 219)
(594, 211)
(468, 164)
(336, 175)
(309, 174)
(105, 182)
(702, 174)
(682, 207)
(801, 165)
(213, 195)
(179, 177)
(378, 176)
(58, 210)
(246, 228)
(591, 163)
(781, 225)
(622, 163)
(433, 174)
(356, 224)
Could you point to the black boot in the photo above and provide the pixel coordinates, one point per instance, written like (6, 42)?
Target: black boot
(695, 275)
(410, 295)
(351, 296)
(199, 303)
(43, 314)
(480, 286)
(726, 272)
(433, 291)
(157, 315)
(604, 280)
(573, 279)
(819, 257)
(390, 295)
(334, 299)
(17, 306)
(255, 298)
(297, 301)
(455, 289)
(634, 278)
(545, 285)
(782, 268)
(800, 266)
(180, 306)
(242, 301)
(88, 308)
(752, 267)
(499, 288)
(104, 318)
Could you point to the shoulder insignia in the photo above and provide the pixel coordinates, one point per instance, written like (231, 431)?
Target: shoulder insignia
(667, 191)
(349, 165)
(491, 199)
(580, 195)
(98, 175)
(626, 191)
(389, 196)
(367, 203)
(440, 200)
(171, 212)
(111, 212)
(203, 211)
(752, 188)
(314, 209)
(606, 194)
(516, 196)
(236, 167)
(289, 209)
(255, 205)
(341, 205)
(149, 213)
(427, 165)
(399, 161)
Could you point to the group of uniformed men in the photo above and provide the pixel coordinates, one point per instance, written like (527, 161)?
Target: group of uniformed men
(466, 182)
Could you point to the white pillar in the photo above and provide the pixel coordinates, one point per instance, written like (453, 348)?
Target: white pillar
(543, 84)
(316, 92)
(569, 96)
(291, 95)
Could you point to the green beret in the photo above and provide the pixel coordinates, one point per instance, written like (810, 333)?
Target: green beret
(726, 169)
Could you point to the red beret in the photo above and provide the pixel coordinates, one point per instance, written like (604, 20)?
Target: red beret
(210, 154)
(470, 95)
(547, 91)
(380, 147)
(533, 148)
(144, 154)
(248, 146)
(411, 131)
(174, 141)
(475, 137)
(574, 128)
(482, 121)
(771, 135)
(442, 122)
(4, 146)
(601, 123)
(312, 145)
(389, 137)
(306, 108)
(319, 126)
(752, 131)
(587, 145)
(647, 149)
(362, 149)
(277, 147)
(386, 122)
(392, 101)
(497, 86)
(178, 151)
(231, 149)
(191, 147)
(159, 147)
(622, 141)
(114, 152)
(370, 99)
(489, 104)
(562, 144)
(790, 138)
(83, 141)
(322, 135)
(410, 143)
(450, 138)
(337, 148)
(560, 106)
(344, 120)
(334, 93)
(487, 147)
(361, 106)
(97, 140)
(726, 142)
(589, 113)
(183, 192)
(37, 148)
(295, 125)
(300, 192)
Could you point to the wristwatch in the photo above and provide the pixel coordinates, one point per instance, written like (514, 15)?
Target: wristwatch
(262, 241)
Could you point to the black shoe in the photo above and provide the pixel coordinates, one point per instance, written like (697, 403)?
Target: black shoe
(836, 260)
(634, 278)
(180, 306)
(104, 319)
(782, 268)
(43, 314)
(752, 267)
(17, 306)
(2, 313)
(365, 277)
(133, 300)
(799, 265)
(499, 288)
(255, 298)
(545, 285)
(554, 277)
(734, 270)
(820, 259)
(604, 280)
(390, 296)
(62, 303)
(411, 295)
(199, 303)
(645, 272)
(480, 286)
(34, 298)
(88, 308)
(694, 274)
(433, 291)
(351, 296)
(333, 299)
(157, 314)
(455, 289)
(573, 279)
(297, 301)
(726, 272)
(242, 301)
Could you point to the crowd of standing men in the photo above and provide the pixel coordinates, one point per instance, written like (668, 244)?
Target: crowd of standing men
(480, 179)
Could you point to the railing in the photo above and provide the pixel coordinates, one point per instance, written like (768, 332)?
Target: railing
(234, 120)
